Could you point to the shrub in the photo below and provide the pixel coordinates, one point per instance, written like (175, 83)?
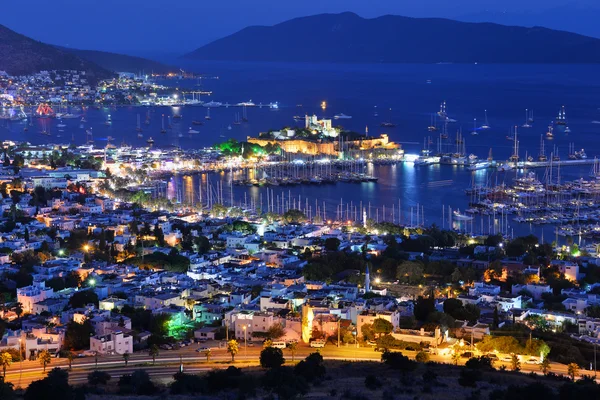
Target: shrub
(98, 378)
(398, 361)
(422, 357)
(372, 382)
(480, 363)
(311, 368)
(271, 357)
(469, 377)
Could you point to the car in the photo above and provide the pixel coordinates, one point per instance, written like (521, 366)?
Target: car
(492, 356)
(532, 360)
(467, 354)
(506, 358)
(201, 349)
(250, 344)
(372, 343)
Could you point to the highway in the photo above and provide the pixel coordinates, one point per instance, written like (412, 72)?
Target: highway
(170, 361)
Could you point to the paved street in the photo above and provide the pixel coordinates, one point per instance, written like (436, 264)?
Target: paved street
(168, 362)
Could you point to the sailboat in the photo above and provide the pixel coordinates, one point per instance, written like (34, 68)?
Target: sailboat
(207, 117)
(567, 129)
(138, 127)
(61, 124)
(550, 133)
(433, 124)
(108, 120)
(561, 119)
(542, 156)
(526, 124)
(474, 132)
(147, 121)
(388, 124)
(485, 125)
(530, 118)
(162, 129)
(190, 131)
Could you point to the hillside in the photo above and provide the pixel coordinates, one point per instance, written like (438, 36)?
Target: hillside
(20, 55)
(121, 62)
(348, 38)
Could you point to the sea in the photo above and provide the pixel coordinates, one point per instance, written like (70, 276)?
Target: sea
(406, 95)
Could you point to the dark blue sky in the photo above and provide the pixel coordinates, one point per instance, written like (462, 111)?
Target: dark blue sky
(146, 26)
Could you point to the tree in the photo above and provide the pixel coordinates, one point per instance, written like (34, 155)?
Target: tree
(332, 244)
(54, 386)
(5, 361)
(294, 216)
(545, 366)
(153, 352)
(410, 272)
(573, 370)
(208, 353)
(45, 358)
(19, 309)
(83, 298)
(233, 348)
(77, 336)
(70, 358)
(422, 357)
(515, 363)
(311, 368)
(96, 378)
(293, 347)
(275, 331)
(126, 356)
(455, 357)
(398, 361)
(6, 390)
(137, 383)
(382, 326)
(271, 357)
(423, 307)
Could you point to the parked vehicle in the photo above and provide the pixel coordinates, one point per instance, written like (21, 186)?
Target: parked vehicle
(279, 345)
(317, 343)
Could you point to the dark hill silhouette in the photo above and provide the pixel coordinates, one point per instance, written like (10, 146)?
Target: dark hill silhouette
(348, 38)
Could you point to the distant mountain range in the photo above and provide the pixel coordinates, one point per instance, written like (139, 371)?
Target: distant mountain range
(20, 55)
(122, 63)
(349, 38)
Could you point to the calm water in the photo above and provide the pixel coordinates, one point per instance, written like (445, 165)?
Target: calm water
(404, 94)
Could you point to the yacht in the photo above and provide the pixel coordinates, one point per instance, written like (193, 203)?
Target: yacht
(212, 104)
(193, 131)
(150, 141)
(248, 103)
(526, 124)
(461, 217)
(274, 106)
(550, 133)
(567, 130)
(561, 119)
(485, 125)
(342, 116)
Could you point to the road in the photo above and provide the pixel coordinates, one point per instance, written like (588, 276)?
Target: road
(170, 361)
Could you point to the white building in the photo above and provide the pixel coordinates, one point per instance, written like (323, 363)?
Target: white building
(112, 343)
(30, 295)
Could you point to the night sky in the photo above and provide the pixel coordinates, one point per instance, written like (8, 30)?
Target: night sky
(173, 27)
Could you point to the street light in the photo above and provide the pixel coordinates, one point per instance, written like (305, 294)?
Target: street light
(245, 341)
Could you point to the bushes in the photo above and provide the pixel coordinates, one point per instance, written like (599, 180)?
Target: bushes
(138, 383)
(311, 368)
(271, 357)
(188, 384)
(388, 342)
(422, 357)
(480, 363)
(398, 361)
(98, 378)
(372, 382)
(285, 382)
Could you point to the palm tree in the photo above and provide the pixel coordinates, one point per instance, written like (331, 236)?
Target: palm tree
(292, 347)
(126, 357)
(573, 370)
(153, 352)
(455, 357)
(233, 348)
(516, 364)
(545, 366)
(70, 357)
(45, 358)
(5, 361)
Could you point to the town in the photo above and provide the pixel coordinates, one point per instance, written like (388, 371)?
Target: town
(95, 267)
